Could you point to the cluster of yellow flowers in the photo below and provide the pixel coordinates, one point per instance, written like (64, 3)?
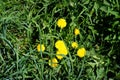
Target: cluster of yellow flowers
(62, 50)
(81, 52)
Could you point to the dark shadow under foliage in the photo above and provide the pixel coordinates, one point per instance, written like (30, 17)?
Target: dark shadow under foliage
(109, 33)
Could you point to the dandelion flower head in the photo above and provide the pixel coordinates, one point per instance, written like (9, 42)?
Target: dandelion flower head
(61, 23)
(61, 53)
(76, 31)
(40, 47)
(62, 49)
(81, 52)
(60, 44)
(53, 62)
(74, 45)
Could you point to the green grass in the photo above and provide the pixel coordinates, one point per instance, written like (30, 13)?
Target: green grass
(26, 23)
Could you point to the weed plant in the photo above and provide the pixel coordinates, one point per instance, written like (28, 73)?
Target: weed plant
(25, 24)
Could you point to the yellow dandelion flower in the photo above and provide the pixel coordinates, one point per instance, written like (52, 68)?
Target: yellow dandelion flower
(74, 45)
(76, 31)
(59, 44)
(53, 62)
(81, 52)
(61, 23)
(61, 53)
(62, 49)
(40, 48)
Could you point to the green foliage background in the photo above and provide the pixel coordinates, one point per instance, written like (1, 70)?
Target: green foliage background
(25, 23)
